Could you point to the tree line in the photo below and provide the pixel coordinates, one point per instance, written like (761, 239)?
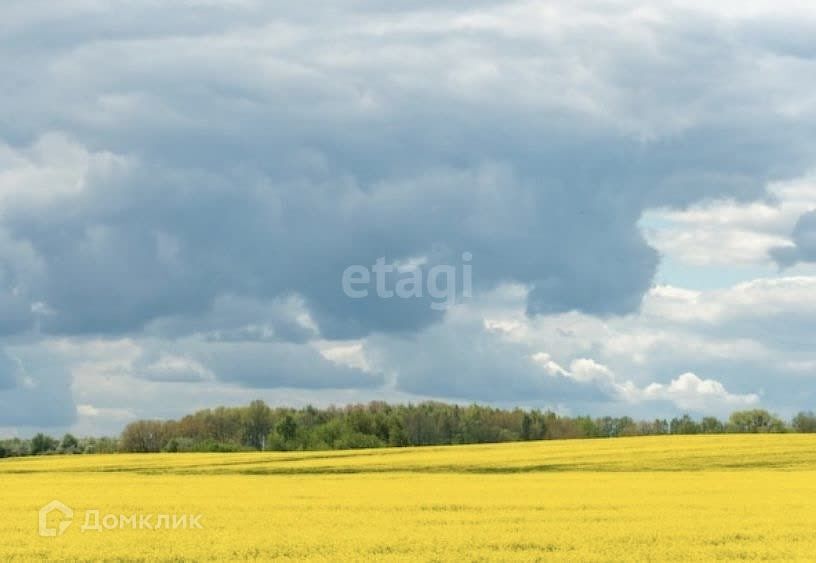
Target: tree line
(378, 424)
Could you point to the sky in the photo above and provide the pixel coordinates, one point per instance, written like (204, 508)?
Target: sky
(624, 193)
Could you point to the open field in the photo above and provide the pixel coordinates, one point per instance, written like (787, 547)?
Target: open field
(731, 497)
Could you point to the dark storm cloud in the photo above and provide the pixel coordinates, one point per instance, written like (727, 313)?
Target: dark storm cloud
(266, 366)
(465, 362)
(196, 171)
(239, 319)
(804, 243)
(267, 163)
(50, 407)
(34, 391)
(8, 369)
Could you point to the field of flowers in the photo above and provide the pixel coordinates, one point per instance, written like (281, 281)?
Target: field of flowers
(684, 498)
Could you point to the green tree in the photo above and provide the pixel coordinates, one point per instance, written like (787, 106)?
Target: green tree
(753, 421)
(257, 423)
(526, 427)
(287, 428)
(69, 444)
(144, 436)
(42, 444)
(684, 425)
(711, 425)
(804, 422)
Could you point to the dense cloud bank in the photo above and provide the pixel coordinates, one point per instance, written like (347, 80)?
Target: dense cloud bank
(198, 178)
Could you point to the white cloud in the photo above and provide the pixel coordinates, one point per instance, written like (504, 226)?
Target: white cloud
(176, 368)
(350, 354)
(111, 413)
(728, 232)
(515, 329)
(764, 297)
(587, 370)
(54, 167)
(545, 360)
(688, 391)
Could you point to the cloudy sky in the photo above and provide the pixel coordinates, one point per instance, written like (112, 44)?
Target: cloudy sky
(183, 184)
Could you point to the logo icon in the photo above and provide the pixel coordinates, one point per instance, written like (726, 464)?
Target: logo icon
(65, 522)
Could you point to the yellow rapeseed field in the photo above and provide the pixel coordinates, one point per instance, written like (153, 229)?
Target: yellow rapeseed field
(689, 498)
